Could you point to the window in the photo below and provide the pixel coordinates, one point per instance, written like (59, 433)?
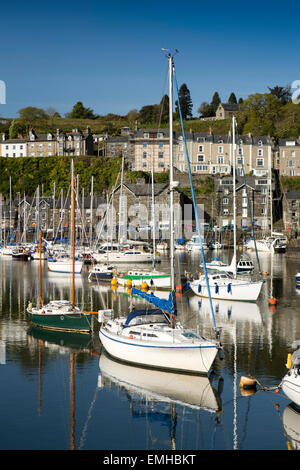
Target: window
(161, 165)
(290, 163)
(292, 172)
(160, 135)
(161, 145)
(200, 158)
(145, 165)
(259, 162)
(259, 143)
(145, 144)
(240, 160)
(200, 148)
(225, 200)
(260, 152)
(220, 149)
(294, 203)
(264, 200)
(240, 151)
(244, 213)
(146, 135)
(263, 211)
(225, 212)
(200, 168)
(144, 154)
(220, 159)
(160, 154)
(293, 153)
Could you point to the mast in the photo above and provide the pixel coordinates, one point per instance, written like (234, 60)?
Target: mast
(91, 214)
(234, 196)
(9, 209)
(40, 273)
(73, 233)
(121, 215)
(171, 65)
(153, 214)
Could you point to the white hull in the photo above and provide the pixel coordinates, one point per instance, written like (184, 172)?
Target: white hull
(123, 257)
(36, 255)
(65, 266)
(239, 290)
(191, 358)
(291, 387)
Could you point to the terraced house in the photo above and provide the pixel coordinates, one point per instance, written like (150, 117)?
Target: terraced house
(287, 157)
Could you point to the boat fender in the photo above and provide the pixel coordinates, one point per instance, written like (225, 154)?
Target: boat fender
(229, 287)
(114, 271)
(217, 289)
(43, 311)
(151, 282)
(130, 336)
(289, 361)
(199, 288)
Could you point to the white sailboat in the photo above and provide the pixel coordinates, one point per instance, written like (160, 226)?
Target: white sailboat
(291, 381)
(225, 284)
(151, 338)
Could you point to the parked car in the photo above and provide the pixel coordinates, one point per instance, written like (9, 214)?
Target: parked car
(256, 227)
(228, 228)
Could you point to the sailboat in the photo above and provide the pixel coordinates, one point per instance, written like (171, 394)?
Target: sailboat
(224, 284)
(61, 314)
(152, 338)
(151, 278)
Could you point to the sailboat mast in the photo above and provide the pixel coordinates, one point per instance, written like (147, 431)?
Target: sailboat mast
(234, 193)
(153, 214)
(171, 65)
(40, 272)
(73, 233)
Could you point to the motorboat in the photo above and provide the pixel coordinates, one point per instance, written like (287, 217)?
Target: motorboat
(64, 264)
(194, 244)
(101, 272)
(276, 243)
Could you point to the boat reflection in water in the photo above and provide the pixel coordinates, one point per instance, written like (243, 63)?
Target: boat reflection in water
(160, 386)
(291, 425)
(66, 339)
(227, 310)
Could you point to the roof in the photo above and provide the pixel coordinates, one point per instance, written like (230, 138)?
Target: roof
(144, 189)
(230, 106)
(293, 194)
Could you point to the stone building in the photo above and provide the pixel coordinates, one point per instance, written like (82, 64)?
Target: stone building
(226, 110)
(291, 210)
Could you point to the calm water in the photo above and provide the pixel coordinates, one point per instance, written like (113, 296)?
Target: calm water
(61, 392)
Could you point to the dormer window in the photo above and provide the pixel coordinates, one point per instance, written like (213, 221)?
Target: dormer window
(259, 143)
(220, 141)
(160, 135)
(49, 136)
(146, 135)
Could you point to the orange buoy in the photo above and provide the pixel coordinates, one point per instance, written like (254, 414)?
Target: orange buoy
(248, 382)
(272, 301)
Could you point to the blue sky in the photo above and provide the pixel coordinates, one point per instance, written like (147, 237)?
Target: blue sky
(108, 54)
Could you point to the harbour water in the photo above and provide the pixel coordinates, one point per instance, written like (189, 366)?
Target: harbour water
(61, 392)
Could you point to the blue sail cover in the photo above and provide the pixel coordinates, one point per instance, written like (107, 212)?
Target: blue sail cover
(168, 305)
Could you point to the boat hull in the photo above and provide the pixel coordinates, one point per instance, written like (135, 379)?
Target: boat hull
(122, 258)
(64, 267)
(246, 292)
(155, 281)
(100, 276)
(193, 359)
(291, 387)
(79, 322)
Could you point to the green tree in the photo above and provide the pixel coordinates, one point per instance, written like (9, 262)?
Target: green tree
(205, 109)
(164, 108)
(16, 128)
(281, 93)
(232, 99)
(149, 114)
(31, 116)
(185, 101)
(80, 112)
(215, 102)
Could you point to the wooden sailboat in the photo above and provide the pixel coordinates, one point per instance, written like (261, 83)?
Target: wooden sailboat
(61, 314)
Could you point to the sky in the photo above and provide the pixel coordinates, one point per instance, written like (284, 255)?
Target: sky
(108, 55)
